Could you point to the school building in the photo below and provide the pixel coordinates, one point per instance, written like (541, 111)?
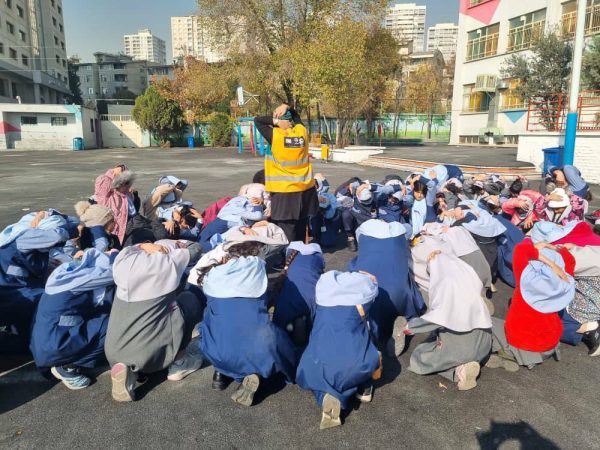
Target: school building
(486, 107)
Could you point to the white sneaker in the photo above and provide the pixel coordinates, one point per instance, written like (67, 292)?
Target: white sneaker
(181, 368)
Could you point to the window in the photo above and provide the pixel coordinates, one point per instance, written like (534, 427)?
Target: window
(119, 66)
(20, 11)
(23, 35)
(3, 92)
(15, 91)
(103, 78)
(592, 18)
(55, 41)
(483, 42)
(59, 10)
(13, 53)
(25, 60)
(58, 121)
(28, 120)
(91, 91)
(87, 78)
(54, 22)
(474, 101)
(62, 45)
(10, 27)
(64, 63)
(1, 48)
(61, 28)
(53, 3)
(120, 77)
(510, 99)
(524, 30)
(8, 3)
(57, 59)
(92, 128)
(104, 91)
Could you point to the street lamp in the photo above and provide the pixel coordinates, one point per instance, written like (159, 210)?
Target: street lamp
(572, 119)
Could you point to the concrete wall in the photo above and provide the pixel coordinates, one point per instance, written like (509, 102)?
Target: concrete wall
(586, 151)
(43, 135)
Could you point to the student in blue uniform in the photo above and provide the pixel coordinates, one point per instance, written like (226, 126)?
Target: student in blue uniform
(24, 265)
(327, 223)
(507, 242)
(341, 359)
(69, 326)
(243, 210)
(237, 336)
(295, 304)
(384, 252)
(423, 193)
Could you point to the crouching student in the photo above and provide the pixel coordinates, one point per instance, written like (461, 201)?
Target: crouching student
(384, 252)
(151, 324)
(243, 210)
(24, 266)
(459, 320)
(533, 328)
(237, 336)
(341, 359)
(581, 318)
(69, 326)
(295, 304)
(99, 224)
(326, 224)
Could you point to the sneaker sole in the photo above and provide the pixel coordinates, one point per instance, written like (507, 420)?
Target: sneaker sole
(498, 362)
(471, 372)
(331, 412)
(64, 381)
(364, 398)
(398, 336)
(118, 375)
(244, 395)
(595, 352)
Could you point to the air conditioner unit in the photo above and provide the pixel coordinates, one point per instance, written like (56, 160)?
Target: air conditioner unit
(486, 83)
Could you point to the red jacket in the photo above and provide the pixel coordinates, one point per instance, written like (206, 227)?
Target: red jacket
(526, 328)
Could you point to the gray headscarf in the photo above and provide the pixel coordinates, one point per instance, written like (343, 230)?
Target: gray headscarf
(140, 276)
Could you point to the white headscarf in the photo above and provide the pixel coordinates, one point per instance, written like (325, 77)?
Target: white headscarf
(140, 276)
(244, 277)
(420, 252)
(455, 299)
(460, 240)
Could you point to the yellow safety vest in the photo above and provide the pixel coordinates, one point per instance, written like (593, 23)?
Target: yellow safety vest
(287, 167)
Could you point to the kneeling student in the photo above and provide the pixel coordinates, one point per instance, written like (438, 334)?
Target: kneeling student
(237, 336)
(460, 321)
(151, 324)
(69, 326)
(341, 359)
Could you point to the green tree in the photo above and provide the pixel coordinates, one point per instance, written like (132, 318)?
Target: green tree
(220, 129)
(158, 115)
(425, 90)
(590, 75)
(74, 86)
(267, 27)
(544, 76)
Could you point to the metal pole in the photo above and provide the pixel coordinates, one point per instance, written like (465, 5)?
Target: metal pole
(572, 119)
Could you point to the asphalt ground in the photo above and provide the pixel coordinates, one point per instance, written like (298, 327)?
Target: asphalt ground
(554, 405)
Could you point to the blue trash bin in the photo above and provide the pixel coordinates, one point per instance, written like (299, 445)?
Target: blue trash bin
(191, 142)
(78, 144)
(553, 157)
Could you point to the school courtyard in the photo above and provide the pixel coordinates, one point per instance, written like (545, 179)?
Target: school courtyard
(552, 406)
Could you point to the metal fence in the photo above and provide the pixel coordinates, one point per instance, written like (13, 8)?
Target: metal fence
(550, 113)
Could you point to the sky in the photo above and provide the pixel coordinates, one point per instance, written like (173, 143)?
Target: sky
(99, 25)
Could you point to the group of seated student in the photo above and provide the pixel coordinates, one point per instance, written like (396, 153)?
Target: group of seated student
(172, 286)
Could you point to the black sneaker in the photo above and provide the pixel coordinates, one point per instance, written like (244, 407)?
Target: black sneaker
(365, 395)
(352, 244)
(220, 381)
(592, 340)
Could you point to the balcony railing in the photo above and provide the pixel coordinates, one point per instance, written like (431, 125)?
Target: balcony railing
(482, 47)
(523, 37)
(592, 21)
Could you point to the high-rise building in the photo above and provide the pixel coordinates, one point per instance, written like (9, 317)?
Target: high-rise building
(406, 21)
(144, 46)
(443, 37)
(33, 56)
(190, 37)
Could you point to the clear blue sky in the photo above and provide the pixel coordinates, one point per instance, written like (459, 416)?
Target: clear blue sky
(99, 25)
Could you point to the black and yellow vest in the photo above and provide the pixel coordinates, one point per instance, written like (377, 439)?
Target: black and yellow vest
(287, 167)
